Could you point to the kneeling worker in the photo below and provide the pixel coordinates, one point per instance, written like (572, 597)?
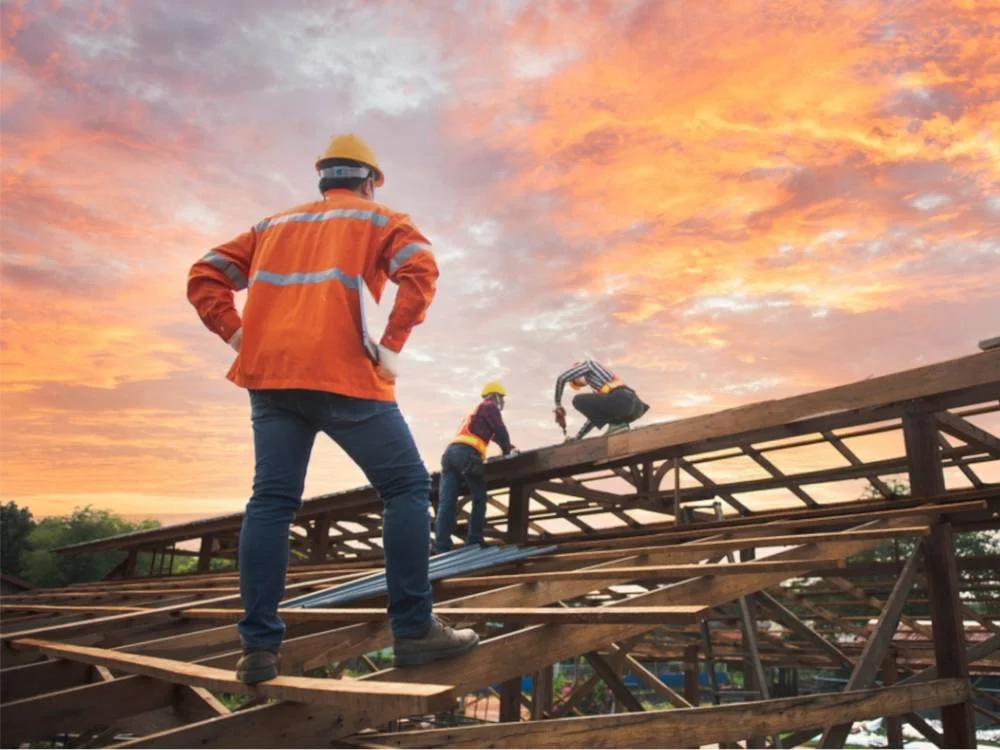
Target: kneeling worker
(611, 403)
(463, 462)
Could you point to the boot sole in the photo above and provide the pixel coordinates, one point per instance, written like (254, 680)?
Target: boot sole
(427, 657)
(251, 677)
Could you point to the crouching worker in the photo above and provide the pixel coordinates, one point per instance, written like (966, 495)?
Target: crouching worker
(610, 402)
(462, 463)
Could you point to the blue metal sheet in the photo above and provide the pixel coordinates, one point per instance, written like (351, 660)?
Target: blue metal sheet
(447, 564)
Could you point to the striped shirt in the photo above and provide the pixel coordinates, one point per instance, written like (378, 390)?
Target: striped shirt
(594, 373)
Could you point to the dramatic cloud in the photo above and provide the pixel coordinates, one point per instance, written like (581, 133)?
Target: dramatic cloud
(727, 201)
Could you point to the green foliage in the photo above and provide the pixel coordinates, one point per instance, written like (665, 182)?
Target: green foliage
(15, 526)
(45, 567)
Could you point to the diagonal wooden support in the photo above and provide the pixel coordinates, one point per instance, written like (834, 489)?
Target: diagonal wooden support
(786, 617)
(853, 460)
(966, 431)
(877, 646)
(609, 674)
(762, 461)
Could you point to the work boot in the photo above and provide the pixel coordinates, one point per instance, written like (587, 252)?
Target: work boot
(439, 642)
(257, 665)
(615, 427)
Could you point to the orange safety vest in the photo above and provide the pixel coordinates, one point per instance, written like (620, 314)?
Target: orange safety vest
(467, 437)
(304, 269)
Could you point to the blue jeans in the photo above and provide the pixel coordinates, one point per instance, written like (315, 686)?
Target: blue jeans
(460, 463)
(377, 438)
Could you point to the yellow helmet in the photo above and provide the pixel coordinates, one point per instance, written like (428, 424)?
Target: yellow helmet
(351, 147)
(493, 387)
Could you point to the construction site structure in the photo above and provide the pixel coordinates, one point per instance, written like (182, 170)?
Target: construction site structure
(697, 548)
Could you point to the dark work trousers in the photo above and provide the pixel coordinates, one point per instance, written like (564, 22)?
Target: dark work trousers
(460, 464)
(620, 405)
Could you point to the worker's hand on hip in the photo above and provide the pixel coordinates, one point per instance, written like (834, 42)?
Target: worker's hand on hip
(388, 364)
(236, 339)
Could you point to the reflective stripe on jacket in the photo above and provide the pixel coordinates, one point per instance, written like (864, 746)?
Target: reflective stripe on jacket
(467, 437)
(303, 270)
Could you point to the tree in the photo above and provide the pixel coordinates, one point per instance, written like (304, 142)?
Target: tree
(15, 526)
(45, 567)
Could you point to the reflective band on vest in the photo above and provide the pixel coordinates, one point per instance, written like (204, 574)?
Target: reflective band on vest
(608, 387)
(467, 437)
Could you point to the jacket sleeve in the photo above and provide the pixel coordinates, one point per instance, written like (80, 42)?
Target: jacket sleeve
(494, 419)
(214, 278)
(571, 374)
(408, 261)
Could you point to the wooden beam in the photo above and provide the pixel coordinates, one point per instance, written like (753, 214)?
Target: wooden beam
(346, 694)
(128, 618)
(927, 478)
(624, 574)
(877, 646)
(953, 375)
(205, 553)
(44, 716)
(650, 615)
(893, 727)
(732, 545)
(535, 646)
(517, 513)
(691, 727)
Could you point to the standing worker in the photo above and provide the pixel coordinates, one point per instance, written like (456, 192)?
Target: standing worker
(463, 461)
(611, 403)
(301, 356)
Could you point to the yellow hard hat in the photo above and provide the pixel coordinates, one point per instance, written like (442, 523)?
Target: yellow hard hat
(493, 387)
(351, 147)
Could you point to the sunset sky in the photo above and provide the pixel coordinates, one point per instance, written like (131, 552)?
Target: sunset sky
(725, 201)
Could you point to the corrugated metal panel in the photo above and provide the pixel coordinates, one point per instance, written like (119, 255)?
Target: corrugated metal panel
(454, 563)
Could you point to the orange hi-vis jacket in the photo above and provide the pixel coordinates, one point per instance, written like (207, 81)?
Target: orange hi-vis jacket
(303, 269)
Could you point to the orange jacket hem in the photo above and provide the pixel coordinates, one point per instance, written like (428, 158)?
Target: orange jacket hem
(354, 390)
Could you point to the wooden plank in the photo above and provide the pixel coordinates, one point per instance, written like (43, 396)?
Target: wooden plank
(953, 375)
(44, 716)
(128, 618)
(24, 681)
(408, 698)
(651, 615)
(691, 727)
(491, 662)
(93, 609)
(877, 646)
(848, 514)
(732, 545)
(623, 574)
